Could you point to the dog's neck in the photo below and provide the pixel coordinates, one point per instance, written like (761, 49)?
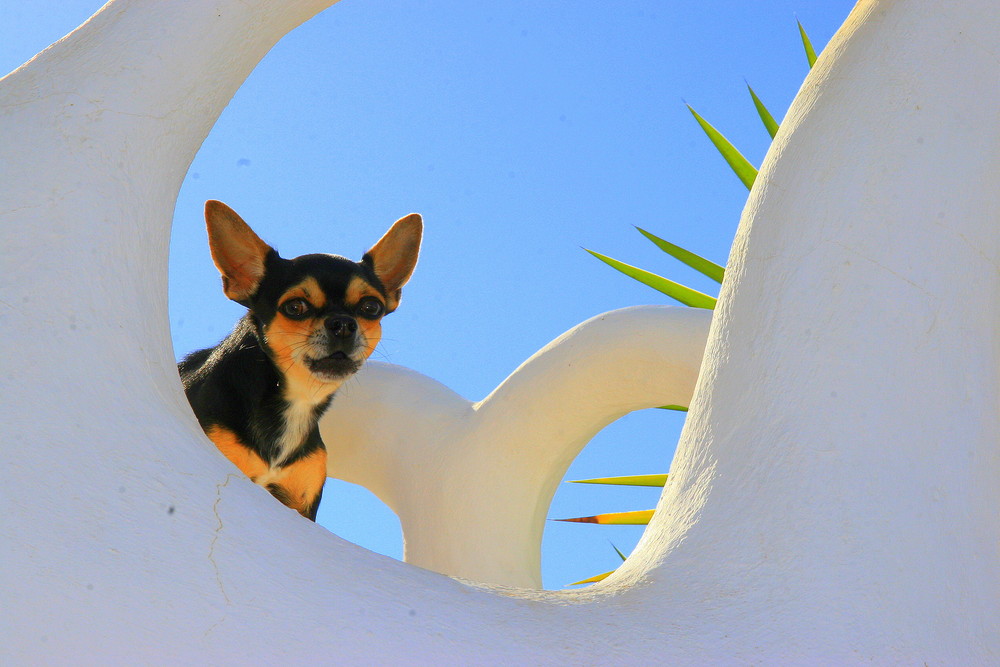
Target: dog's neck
(299, 401)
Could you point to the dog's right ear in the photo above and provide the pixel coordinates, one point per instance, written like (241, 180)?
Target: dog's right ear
(238, 253)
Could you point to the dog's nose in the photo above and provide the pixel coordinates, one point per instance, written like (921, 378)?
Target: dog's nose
(341, 326)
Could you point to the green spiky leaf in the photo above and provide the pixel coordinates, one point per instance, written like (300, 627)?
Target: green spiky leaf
(593, 580)
(634, 518)
(626, 480)
(698, 263)
(807, 45)
(686, 295)
(739, 164)
(678, 408)
(765, 115)
(618, 551)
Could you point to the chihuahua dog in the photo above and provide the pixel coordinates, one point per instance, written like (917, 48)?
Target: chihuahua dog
(311, 323)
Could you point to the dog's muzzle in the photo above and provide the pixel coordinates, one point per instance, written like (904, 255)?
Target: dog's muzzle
(341, 343)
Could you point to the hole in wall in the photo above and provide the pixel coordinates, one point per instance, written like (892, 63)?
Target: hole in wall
(639, 443)
(322, 149)
(356, 514)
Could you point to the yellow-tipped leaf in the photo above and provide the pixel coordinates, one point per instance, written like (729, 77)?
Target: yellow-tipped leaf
(603, 576)
(592, 580)
(635, 518)
(626, 480)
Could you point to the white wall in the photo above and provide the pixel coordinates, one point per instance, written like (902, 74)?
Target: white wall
(834, 496)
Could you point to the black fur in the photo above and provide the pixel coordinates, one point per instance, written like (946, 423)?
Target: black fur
(238, 386)
(260, 392)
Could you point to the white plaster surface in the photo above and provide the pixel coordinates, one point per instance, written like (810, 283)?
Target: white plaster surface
(834, 495)
(472, 482)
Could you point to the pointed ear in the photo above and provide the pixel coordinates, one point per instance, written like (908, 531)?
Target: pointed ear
(395, 255)
(238, 253)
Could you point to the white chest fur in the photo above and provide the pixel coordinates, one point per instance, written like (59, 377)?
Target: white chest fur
(300, 417)
(299, 420)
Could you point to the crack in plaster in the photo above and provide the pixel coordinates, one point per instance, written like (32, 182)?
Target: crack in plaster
(883, 267)
(215, 538)
(213, 627)
(26, 207)
(979, 251)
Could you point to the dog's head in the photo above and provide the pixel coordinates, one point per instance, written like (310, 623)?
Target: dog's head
(319, 316)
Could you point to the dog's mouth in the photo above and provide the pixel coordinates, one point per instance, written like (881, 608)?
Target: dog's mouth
(334, 366)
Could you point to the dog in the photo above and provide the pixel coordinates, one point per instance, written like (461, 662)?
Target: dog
(311, 323)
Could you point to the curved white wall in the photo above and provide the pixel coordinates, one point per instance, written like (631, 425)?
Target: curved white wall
(834, 495)
(845, 438)
(471, 483)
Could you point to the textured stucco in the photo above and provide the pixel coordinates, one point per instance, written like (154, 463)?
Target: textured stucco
(834, 496)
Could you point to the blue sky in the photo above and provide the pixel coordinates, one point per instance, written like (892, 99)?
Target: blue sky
(522, 131)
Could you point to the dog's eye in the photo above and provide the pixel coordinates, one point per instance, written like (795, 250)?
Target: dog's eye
(296, 308)
(370, 307)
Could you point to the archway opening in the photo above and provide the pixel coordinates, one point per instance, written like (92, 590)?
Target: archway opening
(321, 149)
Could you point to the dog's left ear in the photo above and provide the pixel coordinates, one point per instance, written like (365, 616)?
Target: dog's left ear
(395, 255)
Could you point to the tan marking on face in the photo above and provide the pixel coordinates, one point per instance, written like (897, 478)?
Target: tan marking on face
(358, 289)
(244, 458)
(309, 290)
(372, 331)
(289, 341)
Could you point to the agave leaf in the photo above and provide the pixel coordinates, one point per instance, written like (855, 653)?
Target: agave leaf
(627, 480)
(634, 518)
(678, 408)
(686, 295)
(765, 115)
(807, 45)
(700, 264)
(593, 580)
(603, 576)
(739, 164)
